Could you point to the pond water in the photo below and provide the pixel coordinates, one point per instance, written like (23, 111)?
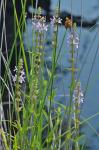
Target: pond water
(88, 9)
(89, 43)
(88, 48)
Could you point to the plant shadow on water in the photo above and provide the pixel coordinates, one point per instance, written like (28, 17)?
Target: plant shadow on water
(87, 36)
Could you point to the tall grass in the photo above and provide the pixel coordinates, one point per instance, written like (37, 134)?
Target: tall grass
(32, 121)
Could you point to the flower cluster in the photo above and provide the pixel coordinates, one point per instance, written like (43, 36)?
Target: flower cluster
(55, 20)
(21, 77)
(73, 39)
(39, 23)
(78, 96)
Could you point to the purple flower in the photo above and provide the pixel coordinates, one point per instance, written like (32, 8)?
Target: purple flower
(78, 96)
(39, 24)
(73, 39)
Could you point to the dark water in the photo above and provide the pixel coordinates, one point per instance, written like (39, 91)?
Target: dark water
(89, 43)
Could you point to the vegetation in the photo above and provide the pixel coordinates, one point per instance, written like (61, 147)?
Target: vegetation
(36, 120)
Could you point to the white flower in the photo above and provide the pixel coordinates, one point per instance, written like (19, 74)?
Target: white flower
(14, 78)
(21, 76)
(15, 69)
(56, 20)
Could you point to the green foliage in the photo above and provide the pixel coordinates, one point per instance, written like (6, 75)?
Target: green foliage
(38, 124)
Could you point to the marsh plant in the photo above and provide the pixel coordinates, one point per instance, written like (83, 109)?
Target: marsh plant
(32, 122)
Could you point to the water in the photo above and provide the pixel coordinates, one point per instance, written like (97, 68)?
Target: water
(89, 42)
(89, 11)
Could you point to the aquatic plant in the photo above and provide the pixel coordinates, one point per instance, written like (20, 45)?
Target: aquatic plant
(36, 119)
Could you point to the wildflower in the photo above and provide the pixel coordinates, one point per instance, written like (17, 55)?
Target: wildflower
(21, 76)
(15, 69)
(56, 20)
(78, 96)
(68, 23)
(73, 39)
(39, 24)
(14, 78)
